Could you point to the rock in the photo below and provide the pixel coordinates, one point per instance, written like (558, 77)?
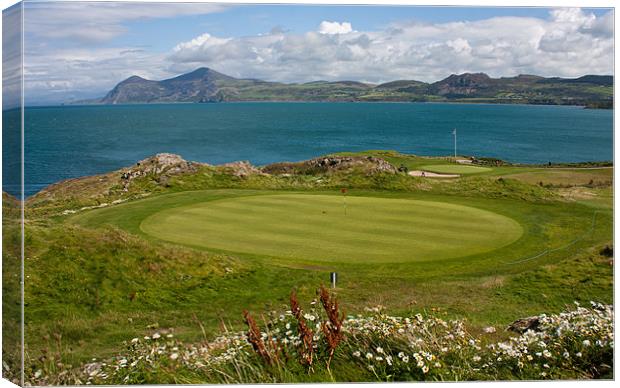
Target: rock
(241, 169)
(524, 324)
(326, 164)
(160, 167)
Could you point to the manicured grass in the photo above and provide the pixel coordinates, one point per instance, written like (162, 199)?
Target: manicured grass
(455, 169)
(316, 227)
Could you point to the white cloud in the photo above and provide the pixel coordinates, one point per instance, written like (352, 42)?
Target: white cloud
(98, 22)
(200, 42)
(331, 28)
(73, 74)
(569, 43)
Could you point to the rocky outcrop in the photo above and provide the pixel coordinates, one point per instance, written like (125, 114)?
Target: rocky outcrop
(327, 164)
(160, 167)
(241, 169)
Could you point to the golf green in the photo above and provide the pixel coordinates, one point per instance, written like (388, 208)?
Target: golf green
(316, 228)
(455, 169)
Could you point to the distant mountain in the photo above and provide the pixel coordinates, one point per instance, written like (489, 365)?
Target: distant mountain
(207, 85)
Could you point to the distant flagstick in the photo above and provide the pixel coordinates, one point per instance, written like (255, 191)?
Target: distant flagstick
(454, 133)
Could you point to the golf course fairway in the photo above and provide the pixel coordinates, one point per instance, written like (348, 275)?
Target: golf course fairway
(316, 228)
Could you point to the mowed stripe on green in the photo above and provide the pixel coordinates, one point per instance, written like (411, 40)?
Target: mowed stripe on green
(455, 169)
(315, 227)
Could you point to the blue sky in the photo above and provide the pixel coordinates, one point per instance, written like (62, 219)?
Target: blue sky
(81, 50)
(247, 20)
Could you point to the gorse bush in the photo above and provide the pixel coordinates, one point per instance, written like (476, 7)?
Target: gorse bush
(321, 344)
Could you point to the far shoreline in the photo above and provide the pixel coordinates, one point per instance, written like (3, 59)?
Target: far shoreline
(469, 103)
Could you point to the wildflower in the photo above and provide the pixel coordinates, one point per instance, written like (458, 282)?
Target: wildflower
(476, 358)
(565, 354)
(586, 342)
(388, 359)
(38, 374)
(420, 364)
(134, 340)
(425, 369)
(174, 356)
(369, 355)
(146, 337)
(169, 336)
(546, 366)
(156, 336)
(529, 357)
(357, 353)
(546, 353)
(489, 330)
(380, 350)
(578, 354)
(379, 358)
(401, 354)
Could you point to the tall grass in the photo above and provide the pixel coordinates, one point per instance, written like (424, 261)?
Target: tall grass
(575, 344)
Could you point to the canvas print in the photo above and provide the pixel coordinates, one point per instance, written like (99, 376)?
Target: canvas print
(229, 193)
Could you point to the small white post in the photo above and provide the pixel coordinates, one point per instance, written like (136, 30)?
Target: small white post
(454, 133)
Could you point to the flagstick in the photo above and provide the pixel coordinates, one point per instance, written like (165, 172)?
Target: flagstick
(454, 143)
(344, 199)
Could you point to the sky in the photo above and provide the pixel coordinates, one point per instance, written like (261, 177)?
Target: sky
(76, 50)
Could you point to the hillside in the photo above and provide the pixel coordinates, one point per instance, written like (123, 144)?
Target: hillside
(207, 85)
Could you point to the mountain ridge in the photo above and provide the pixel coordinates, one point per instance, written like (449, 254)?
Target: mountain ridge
(208, 85)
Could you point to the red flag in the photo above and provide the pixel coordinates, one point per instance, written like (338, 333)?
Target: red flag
(343, 191)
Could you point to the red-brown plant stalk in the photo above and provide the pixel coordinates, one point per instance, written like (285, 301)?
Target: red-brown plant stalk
(305, 333)
(332, 328)
(255, 338)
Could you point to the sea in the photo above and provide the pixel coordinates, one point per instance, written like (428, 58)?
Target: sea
(64, 142)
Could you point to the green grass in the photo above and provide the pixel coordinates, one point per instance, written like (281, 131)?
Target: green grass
(455, 169)
(97, 278)
(566, 176)
(315, 227)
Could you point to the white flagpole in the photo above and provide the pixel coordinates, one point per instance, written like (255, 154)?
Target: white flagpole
(454, 133)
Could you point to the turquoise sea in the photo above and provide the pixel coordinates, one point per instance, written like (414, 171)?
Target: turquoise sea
(72, 141)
